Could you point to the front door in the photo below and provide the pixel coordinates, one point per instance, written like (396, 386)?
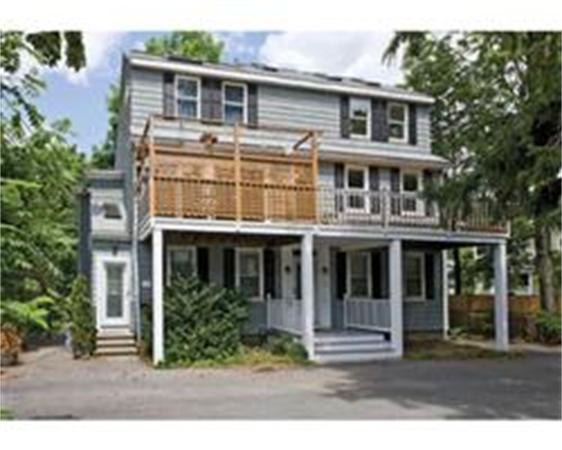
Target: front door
(113, 299)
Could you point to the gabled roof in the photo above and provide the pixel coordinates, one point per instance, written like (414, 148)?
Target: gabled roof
(265, 74)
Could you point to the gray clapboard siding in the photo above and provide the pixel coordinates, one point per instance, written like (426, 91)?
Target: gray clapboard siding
(147, 95)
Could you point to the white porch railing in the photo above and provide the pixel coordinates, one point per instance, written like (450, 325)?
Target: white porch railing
(367, 313)
(285, 314)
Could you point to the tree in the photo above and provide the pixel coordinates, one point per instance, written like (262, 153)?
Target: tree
(497, 118)
(197, 45)
(39, 171)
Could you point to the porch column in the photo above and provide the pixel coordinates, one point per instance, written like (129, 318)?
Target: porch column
(157, 298)
(500, 297)
(445, 293)
(307, 302)
(395, 265)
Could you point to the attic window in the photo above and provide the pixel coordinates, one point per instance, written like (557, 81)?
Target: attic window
(111, 211)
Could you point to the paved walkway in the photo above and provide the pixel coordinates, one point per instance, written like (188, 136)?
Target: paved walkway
(51, 385)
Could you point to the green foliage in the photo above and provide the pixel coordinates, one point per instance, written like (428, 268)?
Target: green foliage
(81, 318)
(496, 118)
(19, 87)
(25, 317)
(202, 322)
(548, 327)
(146, 329)
(285, 345)
(197, 45)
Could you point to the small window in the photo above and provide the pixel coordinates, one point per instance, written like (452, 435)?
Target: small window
(414, 276)
(359, 269)
(234, 104)
(250, 273)
(111, 211)
(181, 262)
(187, 97)
(360, 117)
(398, 122)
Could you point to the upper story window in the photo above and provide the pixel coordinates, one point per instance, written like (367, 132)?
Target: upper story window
(111, 211)
(398, 122)
(360, 117)
(187, 97)
(411, 184)
(234, 103)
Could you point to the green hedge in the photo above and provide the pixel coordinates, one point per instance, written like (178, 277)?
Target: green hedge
(202, 322)
(81, 316)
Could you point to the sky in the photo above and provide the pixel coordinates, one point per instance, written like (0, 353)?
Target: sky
(81, 96)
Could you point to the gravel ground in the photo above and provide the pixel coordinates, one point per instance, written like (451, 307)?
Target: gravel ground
(51, 385)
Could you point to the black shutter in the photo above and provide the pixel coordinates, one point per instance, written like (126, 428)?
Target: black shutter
(269, 272)
(385, 278)
(344, 116)
(376, 274)
(168, 108)
(374, 188)
(341, 275)
(229, 267)
(395, 204)
(253, 105)
(339, 182)
(203, 264)
(211, 99)
(427, 180)
(429, 277)
(379, 121)
(412, 125)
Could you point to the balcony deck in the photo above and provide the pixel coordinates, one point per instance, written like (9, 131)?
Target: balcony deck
(215, 177)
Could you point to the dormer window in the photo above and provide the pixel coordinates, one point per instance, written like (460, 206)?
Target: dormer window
(187, 97)
(111, 211)
(360, 117)
(398, 122)
(234, 103)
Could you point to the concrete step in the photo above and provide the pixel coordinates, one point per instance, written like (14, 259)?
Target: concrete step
(349, 339)
(116, 342)
(353, 357)
(114, 333)
(116, 351)
(346, 347)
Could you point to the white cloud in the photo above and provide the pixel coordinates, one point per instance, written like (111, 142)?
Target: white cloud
(356, 54)
(237, 47)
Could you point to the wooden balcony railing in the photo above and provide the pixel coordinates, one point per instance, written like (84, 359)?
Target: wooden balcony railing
(238, 177)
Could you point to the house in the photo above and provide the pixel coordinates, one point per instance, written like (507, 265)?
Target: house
(303, 190)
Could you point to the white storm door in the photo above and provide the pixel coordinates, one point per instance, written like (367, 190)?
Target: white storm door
(114, 296)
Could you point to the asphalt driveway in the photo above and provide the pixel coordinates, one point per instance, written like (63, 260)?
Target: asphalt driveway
(50, 385)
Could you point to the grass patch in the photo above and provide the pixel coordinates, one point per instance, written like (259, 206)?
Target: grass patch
(257, 358)
(437, 349)
(6, 414)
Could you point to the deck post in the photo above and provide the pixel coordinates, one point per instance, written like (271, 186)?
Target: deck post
(307, 283)
(445, 293)
(395, 264)
(500, 297)
(157, 297)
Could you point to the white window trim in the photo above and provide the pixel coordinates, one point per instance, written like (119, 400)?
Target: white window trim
(420, 203)
(244, 101)
(421, 298)
(365, 189)
(259, 251)
(369, 274)
(169, 250)
(366, 136)
(406, 137)
(177, 78)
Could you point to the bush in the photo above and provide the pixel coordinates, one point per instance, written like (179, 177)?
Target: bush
(146, 329)
(81, 318)
(202, 322)
(548, 327)
(285, 345)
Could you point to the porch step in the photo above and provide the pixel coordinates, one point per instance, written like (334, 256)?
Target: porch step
(115, 341)
(351, 347)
